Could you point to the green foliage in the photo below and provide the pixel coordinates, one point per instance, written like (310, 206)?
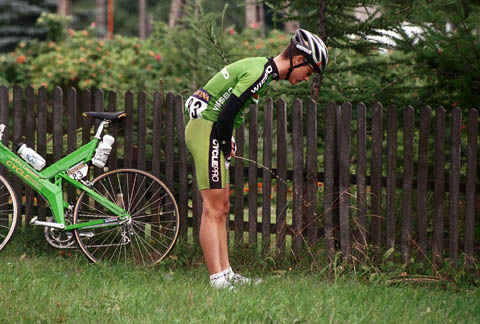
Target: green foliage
(446, 54)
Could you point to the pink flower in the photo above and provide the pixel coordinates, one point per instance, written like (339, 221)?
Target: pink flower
(93, 24)
(158, 57)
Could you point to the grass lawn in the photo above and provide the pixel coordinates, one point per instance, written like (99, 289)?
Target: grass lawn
(45, 287)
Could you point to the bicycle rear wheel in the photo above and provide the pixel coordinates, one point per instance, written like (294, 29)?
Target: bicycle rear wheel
(147, 237)
(8, 211)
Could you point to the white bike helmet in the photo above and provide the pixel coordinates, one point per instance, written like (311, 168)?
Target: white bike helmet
(312, 48)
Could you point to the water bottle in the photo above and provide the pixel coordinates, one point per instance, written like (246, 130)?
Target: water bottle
(32, 157)
(103, 151)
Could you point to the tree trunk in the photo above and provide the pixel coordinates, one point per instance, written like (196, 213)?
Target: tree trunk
(142, 21)
(322, 33)
(63, 7)
(176, 12)
(254, 17)
(291, 25)
(100, 18)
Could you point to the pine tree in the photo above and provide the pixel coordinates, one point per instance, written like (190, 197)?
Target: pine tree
(446, 52)
(17, 21)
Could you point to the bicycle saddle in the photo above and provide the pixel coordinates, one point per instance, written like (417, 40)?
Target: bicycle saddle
(105, 115)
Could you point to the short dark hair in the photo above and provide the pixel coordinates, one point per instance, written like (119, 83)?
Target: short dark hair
(291, 49)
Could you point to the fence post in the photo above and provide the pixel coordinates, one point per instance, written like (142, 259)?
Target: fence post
(407, 185)
(454, 190)
(128, 133)
(281, 224)
(422, 179)
(238, 190)
(169, 138)
(344, 180)
(42, 142)
(470, 192)
(71, 131)
(439, 172)
(362, 174)
(113, 130)
(252, 174)
(18, 113)
(30, 141)
(266, 174)
(298, 166)
(329, 177)
(311, 174)
(182, 167)
(392, 130)
(141, 130)
(376, 174)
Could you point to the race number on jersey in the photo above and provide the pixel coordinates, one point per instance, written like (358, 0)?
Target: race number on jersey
(197, 103)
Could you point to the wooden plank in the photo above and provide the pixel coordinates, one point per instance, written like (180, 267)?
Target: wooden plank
(376, 174)
(422, 179)
(86, 121)
(407, 199)
(329, 178)
(312, 216)
(71, 133)
(128, 131)
(439, 192)
(18, 113)
(30, 141)
(298, 168)
(98, 106)
(470, 192)
(281, 211)
(142, 130)
(156, 134)
(392, 130)
(42, 142)
(182, 167)
(454, 191)
(266, 174)
(113, 129)
(169, 141)
(252, 174)
(362, 175)
(238, 190)
(344, 180)
(57, 132)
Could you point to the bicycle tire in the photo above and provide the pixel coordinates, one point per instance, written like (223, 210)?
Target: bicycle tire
(8, 211)
(147, 237)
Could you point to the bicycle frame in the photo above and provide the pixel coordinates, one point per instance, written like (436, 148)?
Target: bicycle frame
(48, 182)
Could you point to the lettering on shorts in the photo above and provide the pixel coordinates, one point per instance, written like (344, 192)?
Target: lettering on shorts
(214, 170)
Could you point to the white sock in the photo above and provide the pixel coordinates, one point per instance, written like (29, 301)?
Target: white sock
(218, 280)
(228, 273)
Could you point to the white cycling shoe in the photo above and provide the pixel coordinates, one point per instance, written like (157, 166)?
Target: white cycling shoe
(238, 279)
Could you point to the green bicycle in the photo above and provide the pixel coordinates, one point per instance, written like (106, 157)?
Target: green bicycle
(122, 215)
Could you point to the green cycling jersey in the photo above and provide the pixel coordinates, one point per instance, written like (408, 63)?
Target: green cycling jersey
(246, 79)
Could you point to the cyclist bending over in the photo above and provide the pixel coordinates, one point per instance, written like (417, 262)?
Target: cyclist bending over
(215, 110)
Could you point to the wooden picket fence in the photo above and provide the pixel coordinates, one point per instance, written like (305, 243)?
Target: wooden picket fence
(343, 185)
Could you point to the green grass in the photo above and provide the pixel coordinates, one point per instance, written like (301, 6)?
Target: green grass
(39, 285)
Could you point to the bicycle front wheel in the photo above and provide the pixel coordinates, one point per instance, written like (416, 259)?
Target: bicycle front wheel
(144, 239)
(8, 211)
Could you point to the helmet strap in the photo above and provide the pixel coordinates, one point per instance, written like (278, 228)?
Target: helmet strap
(292, 67)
